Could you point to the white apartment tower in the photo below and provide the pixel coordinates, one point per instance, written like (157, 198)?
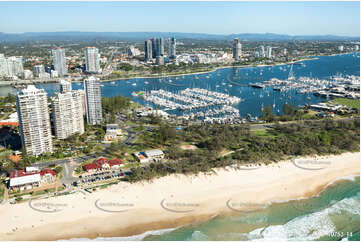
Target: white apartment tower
(92, 60)
(261, 51)
(34, 120)
(3, 65)
(11, 66)
(65, 86)
(59, 61)
(93, 101)
(269, 52)
(237, 49)
(15, 66)
(68, 114)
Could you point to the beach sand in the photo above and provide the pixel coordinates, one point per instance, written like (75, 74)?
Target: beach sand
(170, 201)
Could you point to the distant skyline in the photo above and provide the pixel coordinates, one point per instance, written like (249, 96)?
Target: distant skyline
(292, 18)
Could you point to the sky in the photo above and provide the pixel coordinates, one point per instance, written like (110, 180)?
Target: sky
(293, 18)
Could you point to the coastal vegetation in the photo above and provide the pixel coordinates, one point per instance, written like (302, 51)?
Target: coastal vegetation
(249, 148)
(351, 103)
(289, 113)
(2, 191)
(112, 106)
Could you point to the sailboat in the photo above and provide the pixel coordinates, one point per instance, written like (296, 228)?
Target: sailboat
(291, 76)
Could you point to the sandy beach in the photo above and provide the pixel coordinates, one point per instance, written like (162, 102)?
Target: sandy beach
(128, 209)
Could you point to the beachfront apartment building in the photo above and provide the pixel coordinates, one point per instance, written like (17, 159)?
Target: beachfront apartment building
(67, 108)
(237, 49)
(93, 101)
(92, 60)
(34, 120)
(59, 61)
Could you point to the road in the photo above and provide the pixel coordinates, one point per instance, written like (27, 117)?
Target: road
(69, 167)
(271, 125)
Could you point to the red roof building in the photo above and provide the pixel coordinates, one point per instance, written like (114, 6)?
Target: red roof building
(29, 178)
(20, 173)
(47, 171)
(102, 163)
(91, 167)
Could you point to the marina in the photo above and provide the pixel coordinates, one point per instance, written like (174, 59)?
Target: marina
(317, 80)
(207, 105)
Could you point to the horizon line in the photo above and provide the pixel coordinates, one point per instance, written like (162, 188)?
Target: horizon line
(79, 31)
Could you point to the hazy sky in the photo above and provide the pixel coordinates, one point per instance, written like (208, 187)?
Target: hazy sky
(295, 18)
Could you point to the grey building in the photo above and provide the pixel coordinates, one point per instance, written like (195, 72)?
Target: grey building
(237, 49)
(93, 101)
(148, 50)
(59, 61)
(159, 47)
(154, 48)
(92, 60)
(160, 60)
(261, 51)
(172, 48)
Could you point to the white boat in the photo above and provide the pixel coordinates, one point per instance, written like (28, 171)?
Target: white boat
(134, 84)
(146, 82)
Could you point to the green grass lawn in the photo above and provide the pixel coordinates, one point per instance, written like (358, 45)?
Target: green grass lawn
(262, 133)
(352, 103)
(2, 191)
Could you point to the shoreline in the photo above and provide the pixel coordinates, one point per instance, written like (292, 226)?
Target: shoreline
(205, 72)
(5, 84)
(81, 219)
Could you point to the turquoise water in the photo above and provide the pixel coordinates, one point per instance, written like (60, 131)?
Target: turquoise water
(333, 215)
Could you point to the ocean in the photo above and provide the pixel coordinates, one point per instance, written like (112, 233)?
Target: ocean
(333, 215)
(234, 81)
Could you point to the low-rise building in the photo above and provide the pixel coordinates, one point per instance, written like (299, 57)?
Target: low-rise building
(112, 132)
(103, 164)
(29, 178)
(155, 155)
